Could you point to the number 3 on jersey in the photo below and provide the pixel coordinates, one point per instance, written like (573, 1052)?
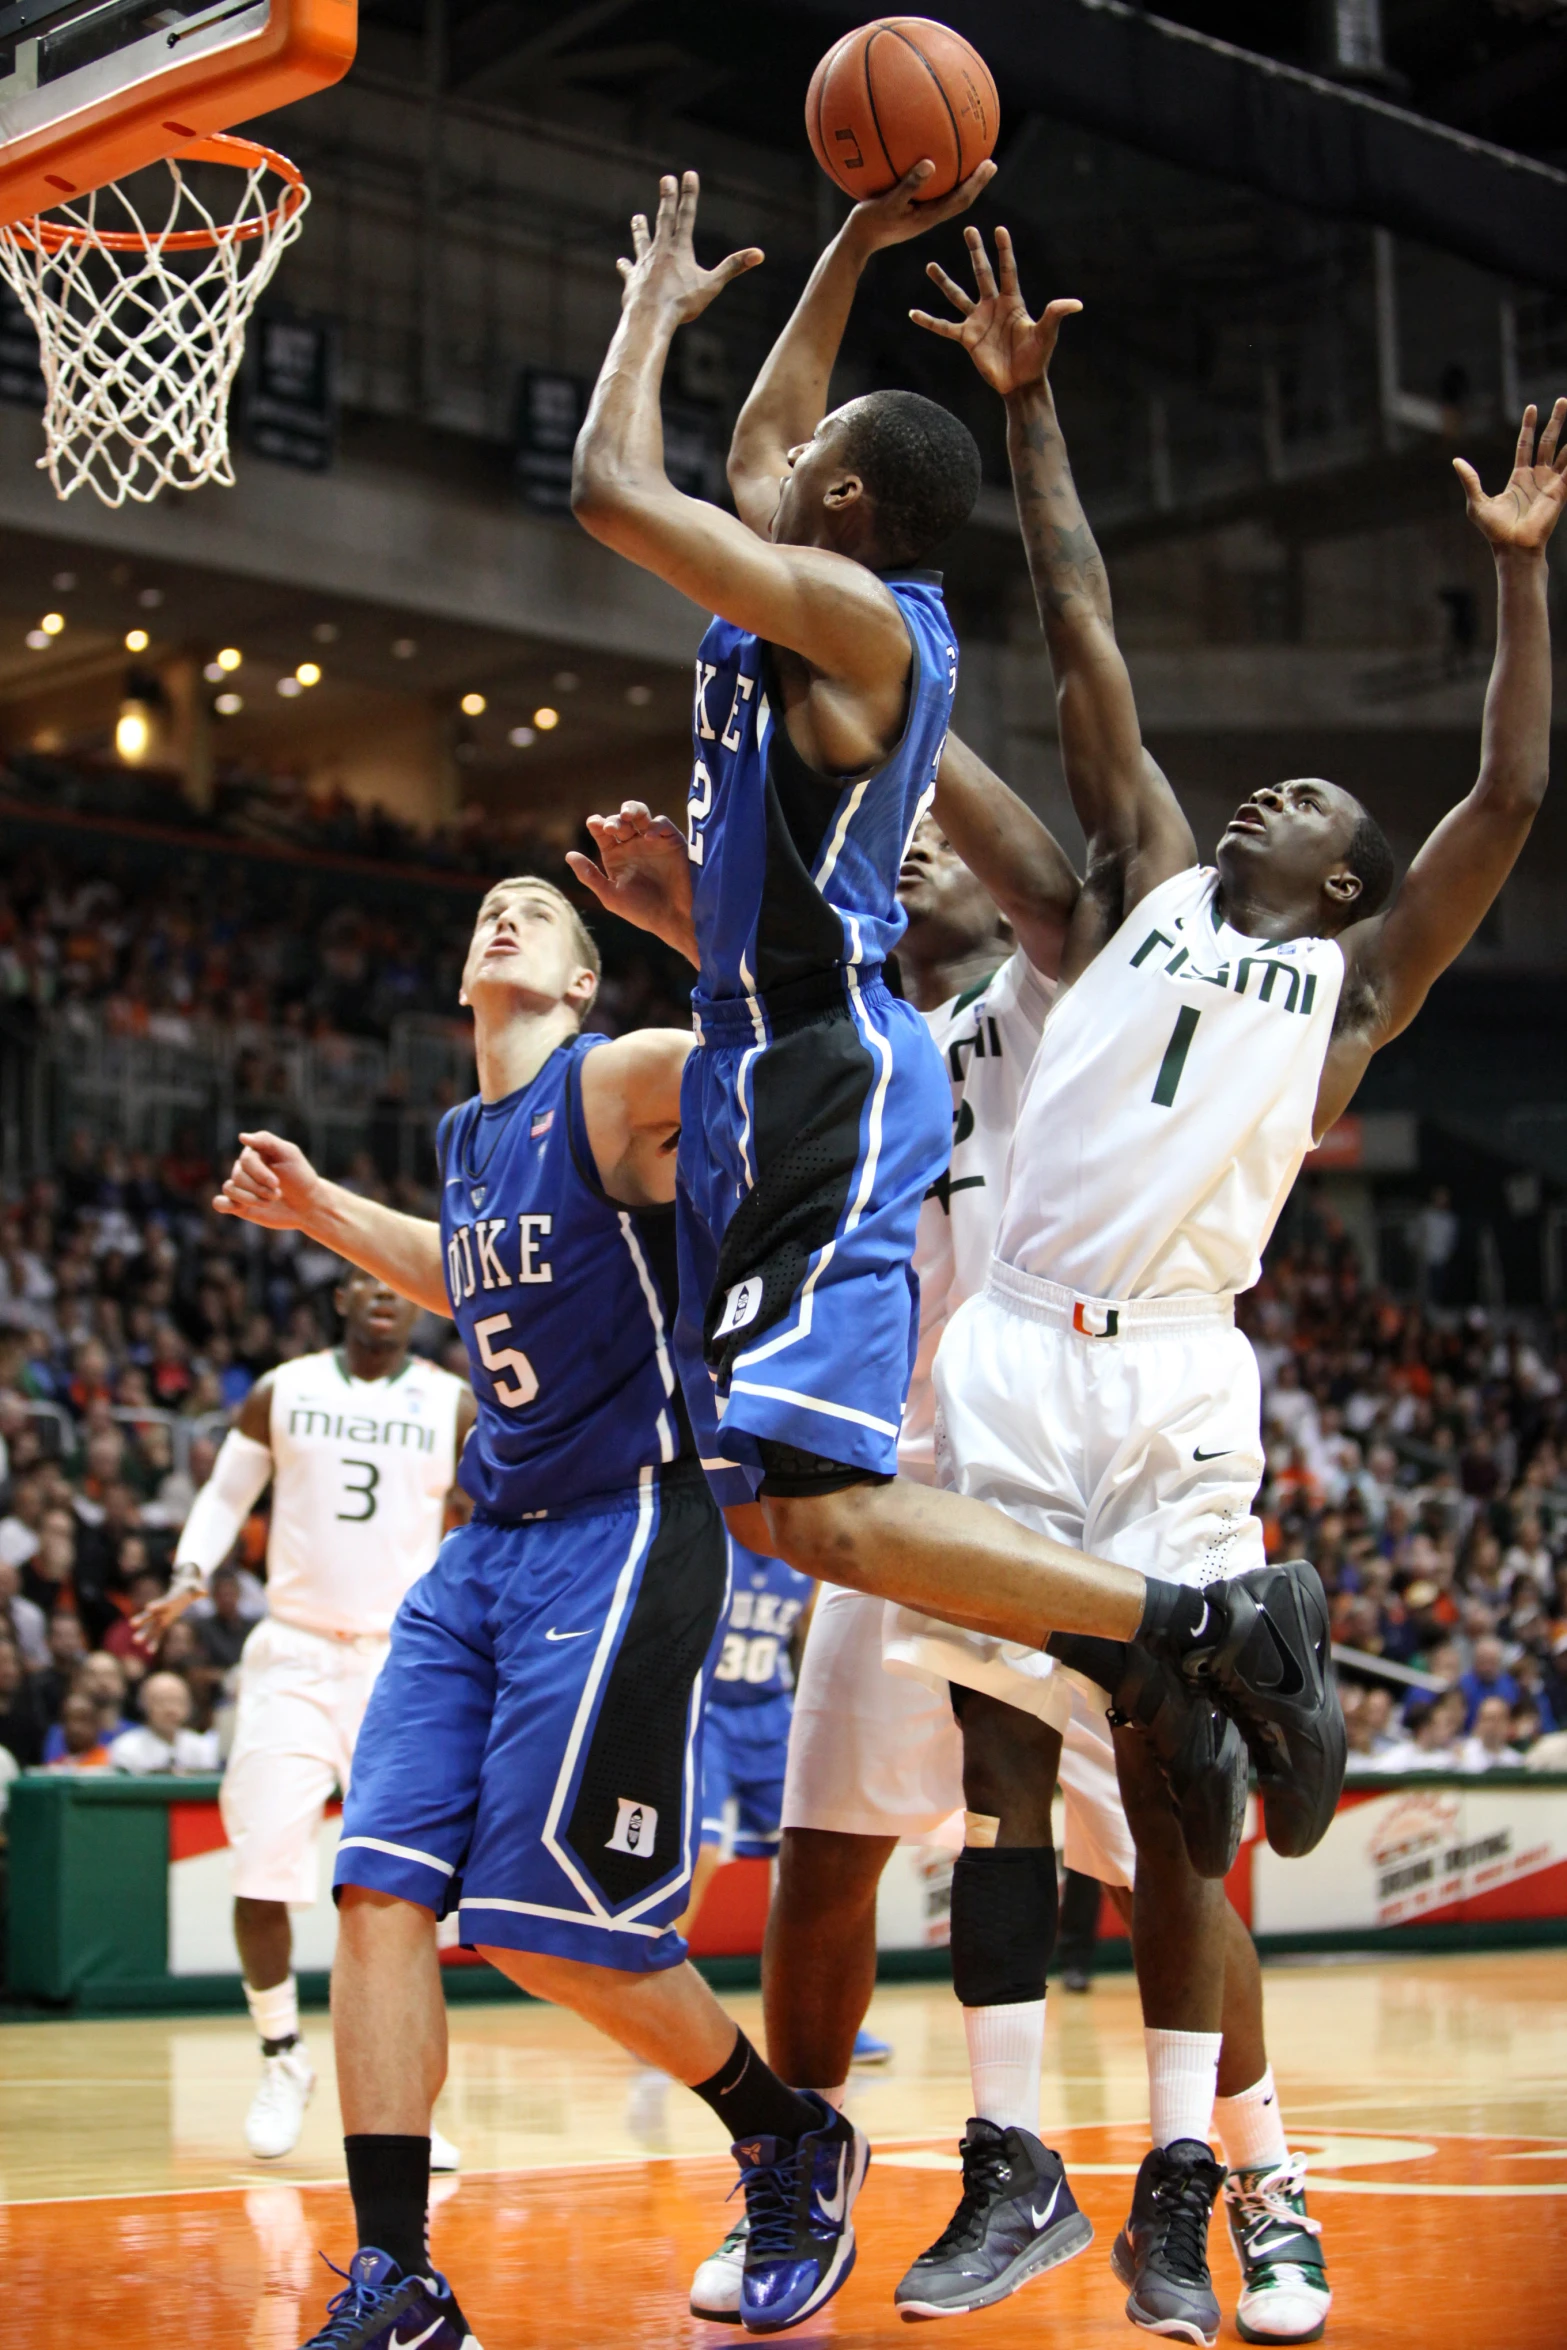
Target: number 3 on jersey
(500, 1359)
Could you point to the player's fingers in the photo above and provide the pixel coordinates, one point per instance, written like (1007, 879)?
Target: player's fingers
(590, 876)
(1524, 453)
(736, 264)
(640, 239)
(685, 210)
(1470, 479)
(908, 188)
(950, 329)
(984, 276)
(965, 192)
(668, 205)
(1545, 453)
(1066, 306)
(950, 287)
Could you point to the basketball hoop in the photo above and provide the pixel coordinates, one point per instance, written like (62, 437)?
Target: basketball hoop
(141, 328)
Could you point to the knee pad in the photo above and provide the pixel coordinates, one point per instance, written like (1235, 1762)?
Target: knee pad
(1004, 1908)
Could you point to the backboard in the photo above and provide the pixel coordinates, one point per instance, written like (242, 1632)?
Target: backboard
(92, 90)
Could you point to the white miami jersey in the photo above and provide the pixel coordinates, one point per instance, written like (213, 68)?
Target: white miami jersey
(360, 1473)
(988, 1038)
(1170, 1103)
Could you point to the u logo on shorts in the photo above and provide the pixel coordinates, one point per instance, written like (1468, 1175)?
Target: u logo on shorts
(1085, 1327)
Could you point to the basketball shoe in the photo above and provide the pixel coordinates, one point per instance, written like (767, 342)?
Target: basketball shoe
(444, 2156)
(1264, 1650)
(715, 2289)
(1016, 2218)
(1162, 2252)
(380, 2308)
(1200, 1753)
(277, 2111)
(869, 2050)
(799, 2202)
(1284, 2284)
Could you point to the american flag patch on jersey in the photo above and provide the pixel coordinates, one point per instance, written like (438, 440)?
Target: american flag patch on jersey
(541, 1125)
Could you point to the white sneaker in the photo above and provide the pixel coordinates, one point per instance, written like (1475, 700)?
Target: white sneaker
(277, 2111)
(443, 2154)
(715, 2289)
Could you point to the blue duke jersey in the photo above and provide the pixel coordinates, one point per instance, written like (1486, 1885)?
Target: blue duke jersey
(766, 1600)
(564, 1299)
(795, 872)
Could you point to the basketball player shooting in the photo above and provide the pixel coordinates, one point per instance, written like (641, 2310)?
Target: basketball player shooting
(361, 1444)
(1214, 1021)
(815, 1113)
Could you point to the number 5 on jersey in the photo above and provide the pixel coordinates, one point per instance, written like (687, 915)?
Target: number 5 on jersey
(498, 1360)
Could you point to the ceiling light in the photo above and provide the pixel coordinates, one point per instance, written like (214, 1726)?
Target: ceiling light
(308, 673)
(229, 705)
(403, 648)
(566, 681)
(230, 657)
(52, 623)
(132, 733)
(136, 640)
(290, 688)
(212, 673)
(546, 718)
(150, 598)
(639, 696)
(325, 632)
(474, 705)
(37, 642)
(521, 736)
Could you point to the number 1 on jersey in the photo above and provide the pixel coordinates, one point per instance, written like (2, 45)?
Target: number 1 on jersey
(1175, 1053)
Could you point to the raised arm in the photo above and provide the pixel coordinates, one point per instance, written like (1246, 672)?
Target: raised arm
(1393, 960)
(831, 611)
(1124, 803)
(273, 1183)
(789, 398)
(1003, 843)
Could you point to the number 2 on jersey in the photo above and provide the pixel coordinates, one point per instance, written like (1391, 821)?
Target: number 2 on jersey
(506, 1358)
(1175, 1053)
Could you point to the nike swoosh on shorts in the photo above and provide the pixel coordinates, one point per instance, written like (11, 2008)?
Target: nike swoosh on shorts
(552, 1634)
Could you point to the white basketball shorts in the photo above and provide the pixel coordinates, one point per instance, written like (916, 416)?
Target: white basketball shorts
(1131, 1430)
(873, 1753)
(302, 1697)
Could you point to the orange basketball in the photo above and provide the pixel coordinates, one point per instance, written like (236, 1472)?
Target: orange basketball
(895, 91)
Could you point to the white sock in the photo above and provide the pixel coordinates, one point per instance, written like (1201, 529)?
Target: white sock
(1006, 2048)
(833, 2097)
(1183, 2068)
(1251, 2127)
(275, 2013)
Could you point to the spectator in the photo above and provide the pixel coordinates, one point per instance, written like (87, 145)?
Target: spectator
(25, 1621)
(22, 1722)
(164, 1741)
(1489, 1745)
(1432, 1728)
(1487, 1677)
(48, 1578)
(19, 1527)
(67, 1649)
(103, 1678)
(77, 1737)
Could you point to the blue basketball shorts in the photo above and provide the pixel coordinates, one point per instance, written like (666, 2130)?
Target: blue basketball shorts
(813, 1122)
(531, 1753)
(744, 1751)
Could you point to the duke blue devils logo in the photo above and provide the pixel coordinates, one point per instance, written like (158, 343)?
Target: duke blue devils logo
(636, 1828)
(477, 1193)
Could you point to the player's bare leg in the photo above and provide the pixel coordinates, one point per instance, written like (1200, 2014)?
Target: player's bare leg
(264, 1939)
(819, 1957)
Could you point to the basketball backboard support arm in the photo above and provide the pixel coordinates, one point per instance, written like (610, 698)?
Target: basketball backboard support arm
(93, 90)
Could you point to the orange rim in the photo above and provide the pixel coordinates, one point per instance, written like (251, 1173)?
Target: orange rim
(53, 236)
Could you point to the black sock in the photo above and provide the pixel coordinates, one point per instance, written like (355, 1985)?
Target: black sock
(389, 2180)
(1100, 1661)
(751, 2101)
(280, 2047)
(1172, 1613)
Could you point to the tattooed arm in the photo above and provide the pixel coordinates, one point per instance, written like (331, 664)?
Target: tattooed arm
(1136, 833)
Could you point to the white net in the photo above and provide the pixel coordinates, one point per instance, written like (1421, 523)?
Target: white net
(141, 325)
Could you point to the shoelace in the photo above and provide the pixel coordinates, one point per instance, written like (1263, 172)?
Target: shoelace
(344, 2312)
(1266, 2202)
(771, 2199)
(983, 2169)
(1184, 2204)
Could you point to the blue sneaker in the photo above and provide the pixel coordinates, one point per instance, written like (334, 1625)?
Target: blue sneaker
(381, 2309)
(799, 2198)
(869, 2050)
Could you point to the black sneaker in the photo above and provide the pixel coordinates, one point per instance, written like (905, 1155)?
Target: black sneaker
(1266, 1653)
(799, 2204)
(1017, 2217)
(1200, 1753)
(380, 2308)
(1162, 2252)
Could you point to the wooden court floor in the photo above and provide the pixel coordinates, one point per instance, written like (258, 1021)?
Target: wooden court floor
(1429, 2094)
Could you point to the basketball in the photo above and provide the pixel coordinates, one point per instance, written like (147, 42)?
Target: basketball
(894, 91)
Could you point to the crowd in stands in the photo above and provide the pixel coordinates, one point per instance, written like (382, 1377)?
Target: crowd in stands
(1419, 1456)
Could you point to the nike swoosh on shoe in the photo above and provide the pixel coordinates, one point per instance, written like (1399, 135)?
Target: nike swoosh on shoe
(414, 2340)
(832, 2207)
(1039, 2217)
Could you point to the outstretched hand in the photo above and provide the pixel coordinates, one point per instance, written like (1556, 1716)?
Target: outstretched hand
(1010, 349)
(645, 874)
(271, 1183)
(903, 212)
(666, 272)
(1525, 513)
